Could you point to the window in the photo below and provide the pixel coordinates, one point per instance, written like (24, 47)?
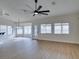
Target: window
(61, 28)
(19, 30)
(27, 29)
(46, 28)
(9, 30)
(3, 28)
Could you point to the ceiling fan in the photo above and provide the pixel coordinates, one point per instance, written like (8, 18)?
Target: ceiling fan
(38, 8)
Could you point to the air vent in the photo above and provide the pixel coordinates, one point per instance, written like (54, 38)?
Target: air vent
(53, 3)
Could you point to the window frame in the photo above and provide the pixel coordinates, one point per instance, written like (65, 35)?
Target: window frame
(45, 29)
(30, 27)
(17, 30)
(62, 26)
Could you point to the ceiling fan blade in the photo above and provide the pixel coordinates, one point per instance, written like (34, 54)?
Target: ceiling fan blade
(36, 1)
(45, 11)
(39, 7)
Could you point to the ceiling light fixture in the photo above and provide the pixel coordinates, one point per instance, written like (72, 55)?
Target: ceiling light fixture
(38, 9)
(36, 13)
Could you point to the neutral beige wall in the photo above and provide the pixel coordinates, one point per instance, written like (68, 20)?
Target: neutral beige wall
(73, 20)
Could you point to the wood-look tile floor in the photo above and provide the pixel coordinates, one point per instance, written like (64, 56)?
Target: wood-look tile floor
(34, 49)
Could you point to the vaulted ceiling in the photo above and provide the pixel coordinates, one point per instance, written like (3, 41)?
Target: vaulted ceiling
(15, 8)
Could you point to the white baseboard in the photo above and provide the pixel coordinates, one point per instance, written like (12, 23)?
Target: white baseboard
(64, 41)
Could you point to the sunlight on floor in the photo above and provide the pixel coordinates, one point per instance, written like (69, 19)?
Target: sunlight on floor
(21, 38)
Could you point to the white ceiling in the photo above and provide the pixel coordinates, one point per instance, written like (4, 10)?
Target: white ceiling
(14, 8)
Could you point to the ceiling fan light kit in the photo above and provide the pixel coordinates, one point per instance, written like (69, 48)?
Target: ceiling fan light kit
(38, 8)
